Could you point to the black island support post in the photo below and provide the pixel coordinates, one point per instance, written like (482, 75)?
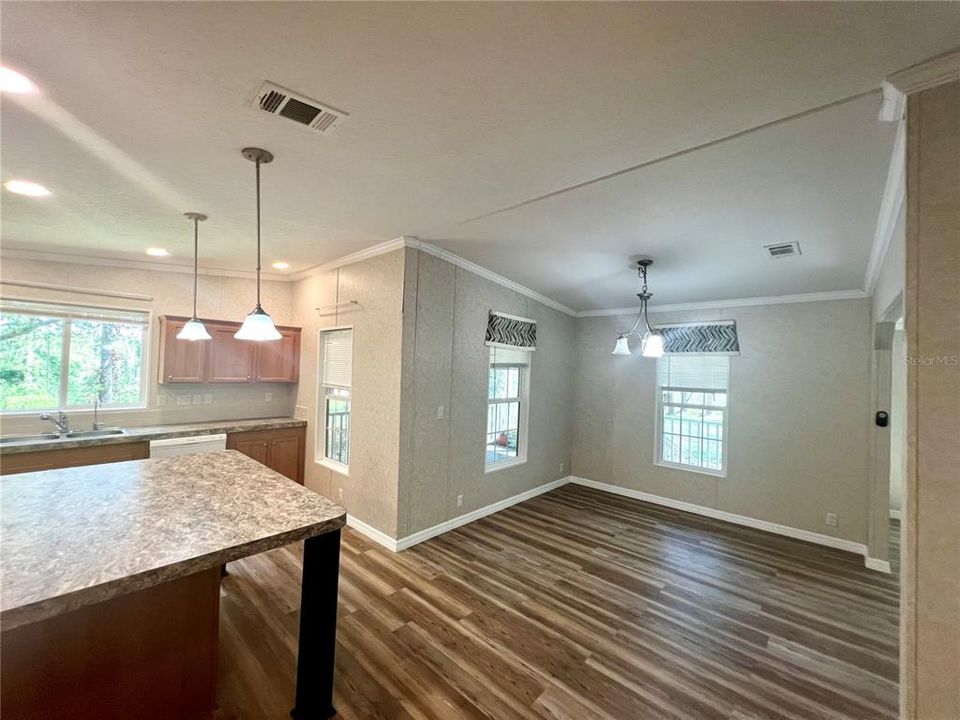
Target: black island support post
(318, 628)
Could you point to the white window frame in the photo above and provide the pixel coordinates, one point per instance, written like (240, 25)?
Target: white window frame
(145, 364)
(320, 436)
(725, 439)
(523, 430)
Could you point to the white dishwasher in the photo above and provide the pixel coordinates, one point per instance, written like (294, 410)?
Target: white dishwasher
(189, 444)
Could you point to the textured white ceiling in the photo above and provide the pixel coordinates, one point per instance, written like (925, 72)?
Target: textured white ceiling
(458, 111)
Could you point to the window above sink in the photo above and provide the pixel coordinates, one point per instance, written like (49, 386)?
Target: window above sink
(68, 357)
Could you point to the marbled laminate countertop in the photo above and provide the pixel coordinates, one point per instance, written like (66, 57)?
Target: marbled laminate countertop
(76, 536)
(155, 432)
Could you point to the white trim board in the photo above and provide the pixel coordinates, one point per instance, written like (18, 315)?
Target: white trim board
(891, 205)
(129, 263)
(419, 537)
(739, 302)
(487, 274)
(359, 256)
(878, 565)
(930, 73)
(776, 528)
(371, 532)
(895, 514)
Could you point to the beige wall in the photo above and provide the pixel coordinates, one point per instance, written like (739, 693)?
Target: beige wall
(369, 493)
(799, 399)
(930, 627)
(222, 298)
(446, 364)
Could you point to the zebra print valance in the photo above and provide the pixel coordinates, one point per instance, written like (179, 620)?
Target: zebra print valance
(715, 337)
(510, 331)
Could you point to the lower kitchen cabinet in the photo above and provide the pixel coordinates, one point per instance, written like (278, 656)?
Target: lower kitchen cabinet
(281, 450)
(73, 457)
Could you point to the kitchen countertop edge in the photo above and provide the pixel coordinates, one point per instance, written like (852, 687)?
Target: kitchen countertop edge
(157, 432)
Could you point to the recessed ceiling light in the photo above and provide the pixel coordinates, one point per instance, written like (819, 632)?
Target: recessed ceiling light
(13, 82)
(281, 265)
(157, 252)
(25, 187)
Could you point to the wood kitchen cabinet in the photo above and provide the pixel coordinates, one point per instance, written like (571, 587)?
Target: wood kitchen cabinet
(231, 360)
(282, 450)
(224, 359)
(73, 457)
(182, 361)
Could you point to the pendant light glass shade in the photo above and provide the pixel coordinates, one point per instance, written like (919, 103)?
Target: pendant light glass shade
(258, 325)
(622, 347)
(652, 345)
(193, 329)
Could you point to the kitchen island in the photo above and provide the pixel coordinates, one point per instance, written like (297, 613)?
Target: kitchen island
(110, 592)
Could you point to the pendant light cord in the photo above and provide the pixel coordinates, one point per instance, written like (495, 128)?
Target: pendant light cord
(258, 233)
(196, 250)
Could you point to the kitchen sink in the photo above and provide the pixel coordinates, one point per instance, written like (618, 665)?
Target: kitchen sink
(106, 432)
(28, 438)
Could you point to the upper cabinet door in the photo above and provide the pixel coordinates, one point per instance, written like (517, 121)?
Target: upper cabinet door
(181, 361)
(279, 360)
(231, 360)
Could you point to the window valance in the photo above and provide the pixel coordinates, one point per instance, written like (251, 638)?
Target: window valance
(510, 331)
(714, 337)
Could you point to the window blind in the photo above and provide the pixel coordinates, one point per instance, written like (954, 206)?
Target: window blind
(336, 349)
(74, 312)
(700, 372)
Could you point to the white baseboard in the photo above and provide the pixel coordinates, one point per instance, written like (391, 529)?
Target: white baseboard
(786, 530)
(371, 532)
(895, 514)
(878, 565)
(419, 537)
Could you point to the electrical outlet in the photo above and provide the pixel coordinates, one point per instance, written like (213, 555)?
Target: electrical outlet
(459, 500)
(161, 399)
(832, 519)
(440, 412)
(207, 398)
(267, 397)
(339, 493)
(562, 466)
(183, 399)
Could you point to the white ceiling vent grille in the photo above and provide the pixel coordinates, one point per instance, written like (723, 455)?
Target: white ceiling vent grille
(782, 250)
(277, 100)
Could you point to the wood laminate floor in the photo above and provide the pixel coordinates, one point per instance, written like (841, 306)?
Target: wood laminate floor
(577, 604)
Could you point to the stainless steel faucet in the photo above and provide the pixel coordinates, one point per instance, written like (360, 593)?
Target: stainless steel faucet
(61, 422)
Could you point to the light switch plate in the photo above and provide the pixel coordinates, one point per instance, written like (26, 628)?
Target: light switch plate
(267, 397)
(440, 412)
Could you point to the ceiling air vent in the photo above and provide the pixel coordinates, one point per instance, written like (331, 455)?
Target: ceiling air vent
(277, 100)
(782, 250)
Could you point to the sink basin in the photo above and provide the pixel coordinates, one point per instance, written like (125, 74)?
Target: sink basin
(28, 438)
(106, 432)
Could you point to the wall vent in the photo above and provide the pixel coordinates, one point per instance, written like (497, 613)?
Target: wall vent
(782, 250)
(302, 110)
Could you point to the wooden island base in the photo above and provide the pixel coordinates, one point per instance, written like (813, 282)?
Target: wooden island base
(151, 655)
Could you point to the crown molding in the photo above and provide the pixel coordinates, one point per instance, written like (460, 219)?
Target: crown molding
(891, 205)
(359, 256)
(894, 105)
(930, 73)
(487, 274)
(61, 257)
(739, 302)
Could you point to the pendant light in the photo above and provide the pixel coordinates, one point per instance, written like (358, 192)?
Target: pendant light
(258, 325)
(193, 329)
(651, 343)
